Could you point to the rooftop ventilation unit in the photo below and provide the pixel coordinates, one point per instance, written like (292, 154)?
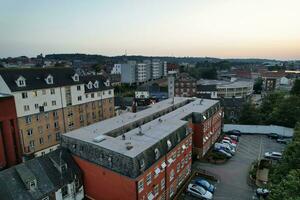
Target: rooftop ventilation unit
(128, 145)
(140, 131)
(99, 138)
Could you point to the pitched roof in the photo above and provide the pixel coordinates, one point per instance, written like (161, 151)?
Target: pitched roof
(49, 179)
(93, 78)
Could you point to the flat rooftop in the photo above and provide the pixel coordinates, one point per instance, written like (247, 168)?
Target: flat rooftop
(152, 132)
(226, 84)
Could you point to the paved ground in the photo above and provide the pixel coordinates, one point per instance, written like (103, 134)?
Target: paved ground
(232, 175)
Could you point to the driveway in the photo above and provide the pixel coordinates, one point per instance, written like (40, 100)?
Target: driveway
(233, 174)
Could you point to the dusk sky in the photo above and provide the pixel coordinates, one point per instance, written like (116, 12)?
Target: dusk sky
(214, 28)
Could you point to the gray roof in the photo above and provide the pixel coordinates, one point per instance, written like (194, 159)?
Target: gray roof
(153, 131)
(35, 78)
(226, 84)
(260, 129)
(42, 169)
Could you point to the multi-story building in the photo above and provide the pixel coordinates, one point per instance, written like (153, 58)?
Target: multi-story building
(157, 68)
(228, 89)
(185, 86)
(52, 101)
(116, 69)
(54, 176)
(10, 148)
(271, 80)
(139, 72)
(148, 154)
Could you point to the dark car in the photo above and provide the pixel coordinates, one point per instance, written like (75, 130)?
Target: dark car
(273, 136)
(205, 184)
(283, 140)
(234, 132)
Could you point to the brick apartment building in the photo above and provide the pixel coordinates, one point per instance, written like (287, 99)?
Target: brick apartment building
(148, 154)
(52, 101)
(185, 86)
(10, 149)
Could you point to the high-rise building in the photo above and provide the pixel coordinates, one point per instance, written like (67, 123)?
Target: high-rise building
(148, 154)
(52, 101)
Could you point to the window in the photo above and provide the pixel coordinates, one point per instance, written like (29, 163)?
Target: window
(157, 153)
(169, 144)
(109, 92)
(24, 95)
(40, 129)
(93, 115)
(81, 118)
(79, 98)
(162, 184)
(26, 107)
(57, 136)
(49, 137)
(56, 125)
(31, 143)
(182, 163)
(47, 126)
(34, 93)
(141, 185)
(172, 174)
(53, 103)
(55, 114)
(52, 91)
(43, 92)
(45, 104)
(36, 106)
(28, 119)
(87, 96)
(178, 167)
(149, 178)
(171, 190)
(92, 95)
(45, 198)
(41, 140)
(64, 190)
(21, 83)
(156, 190)
(29, 132)
(78, 87)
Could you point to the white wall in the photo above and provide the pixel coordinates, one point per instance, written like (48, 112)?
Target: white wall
(116, 69)
(48, 150)
(71, 191)
(142, 94)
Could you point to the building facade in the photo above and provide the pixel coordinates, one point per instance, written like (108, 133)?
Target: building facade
(185, 86)
(53, 101)
(10, 148)
(148, 154)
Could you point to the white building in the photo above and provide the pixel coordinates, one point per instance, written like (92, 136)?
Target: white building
(116, 69)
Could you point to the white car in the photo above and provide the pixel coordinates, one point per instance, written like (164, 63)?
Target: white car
(273, 155)
(228, 142)
(224, 146)
(199, 191)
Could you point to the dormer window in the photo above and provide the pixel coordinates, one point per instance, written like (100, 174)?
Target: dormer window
(49, 79)
(75, 77)
(157, 153)
(96, 84)
(32, 185)
(169, 144)
(90, 85)
(107, 83)
(21, 81)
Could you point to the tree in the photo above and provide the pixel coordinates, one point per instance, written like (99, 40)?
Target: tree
(209, 73)
(296, 87)
(258, 86)
(249, 115)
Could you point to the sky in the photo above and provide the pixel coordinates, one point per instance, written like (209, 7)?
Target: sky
(212, 28)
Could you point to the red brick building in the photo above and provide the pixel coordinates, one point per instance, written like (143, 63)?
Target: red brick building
(10, 149)
(185, 86)
(144, 155)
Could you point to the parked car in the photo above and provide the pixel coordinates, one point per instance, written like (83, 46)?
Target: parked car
(234, 132)
(234, 137)
(273, 136)
(261, 192)
(231, 140)
(205, 184)
(228, 142)
(199, 191)
(283, 140)
(224, 152)
(273, 155)
(225, 147)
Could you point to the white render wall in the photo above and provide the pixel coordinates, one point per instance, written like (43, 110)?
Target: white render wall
(59, 97)
(116, 69)
(71, 193)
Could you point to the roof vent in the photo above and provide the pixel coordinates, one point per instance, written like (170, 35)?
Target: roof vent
(99, 138)
(128, 145)
(140, 131)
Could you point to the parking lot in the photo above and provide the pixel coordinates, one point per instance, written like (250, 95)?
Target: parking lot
(233, 175)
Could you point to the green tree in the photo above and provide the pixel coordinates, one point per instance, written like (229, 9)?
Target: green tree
(296, 87)
(258, 86)
(249, 114)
